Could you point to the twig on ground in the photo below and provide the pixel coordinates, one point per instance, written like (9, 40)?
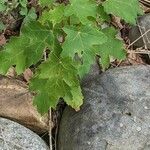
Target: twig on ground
(50, 118)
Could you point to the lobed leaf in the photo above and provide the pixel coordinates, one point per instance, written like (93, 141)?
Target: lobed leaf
(82, 10)
(113, 47)
(56, 78)
(27, 49)
(45, 3)
(126, 9)
(55, 15)
(80, 41)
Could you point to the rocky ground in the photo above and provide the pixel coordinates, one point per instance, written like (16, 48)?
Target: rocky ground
(113, 117)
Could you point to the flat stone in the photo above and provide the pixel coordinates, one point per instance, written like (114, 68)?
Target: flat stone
(16, 103)
(142, 28)
(14, 136)
(115, 114)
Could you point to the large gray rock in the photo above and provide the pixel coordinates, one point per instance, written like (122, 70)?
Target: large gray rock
(115, 114)
(14, 136)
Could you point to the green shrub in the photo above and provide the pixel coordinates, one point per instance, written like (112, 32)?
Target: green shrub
(67, 30)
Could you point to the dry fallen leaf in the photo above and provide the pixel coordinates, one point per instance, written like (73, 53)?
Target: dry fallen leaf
(11, 72)
(27, 74)
(116, 21)
(134, 58)
(2, 40)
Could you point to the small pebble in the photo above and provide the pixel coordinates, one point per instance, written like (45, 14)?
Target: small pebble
(145, 107)
(89, 143)
(134, 118)
(121, 125)
(138, 128)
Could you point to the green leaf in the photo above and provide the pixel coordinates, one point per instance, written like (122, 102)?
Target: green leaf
(78, 40)
(74, 20)
(56, 78)
(55, 15)
(88, 59)
(81, 42)
(46, 3)
(23, 3)
(31, 16)
(2, 26)
(27, 49)
(82, 10)
(126, 9)
(113, 47)
(103, 16)
(23, 11)
(2, 6)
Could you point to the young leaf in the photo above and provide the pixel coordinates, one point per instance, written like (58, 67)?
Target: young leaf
(82, 10)
(55, 16)
(31, 16)
(2, 6)
(23, 11)
(46, 3)
(113, 47)
(27, 49)
(103, 16)
(56, 78)
(2, 26)
(23, 3)
(81, 42)
(126, 9)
